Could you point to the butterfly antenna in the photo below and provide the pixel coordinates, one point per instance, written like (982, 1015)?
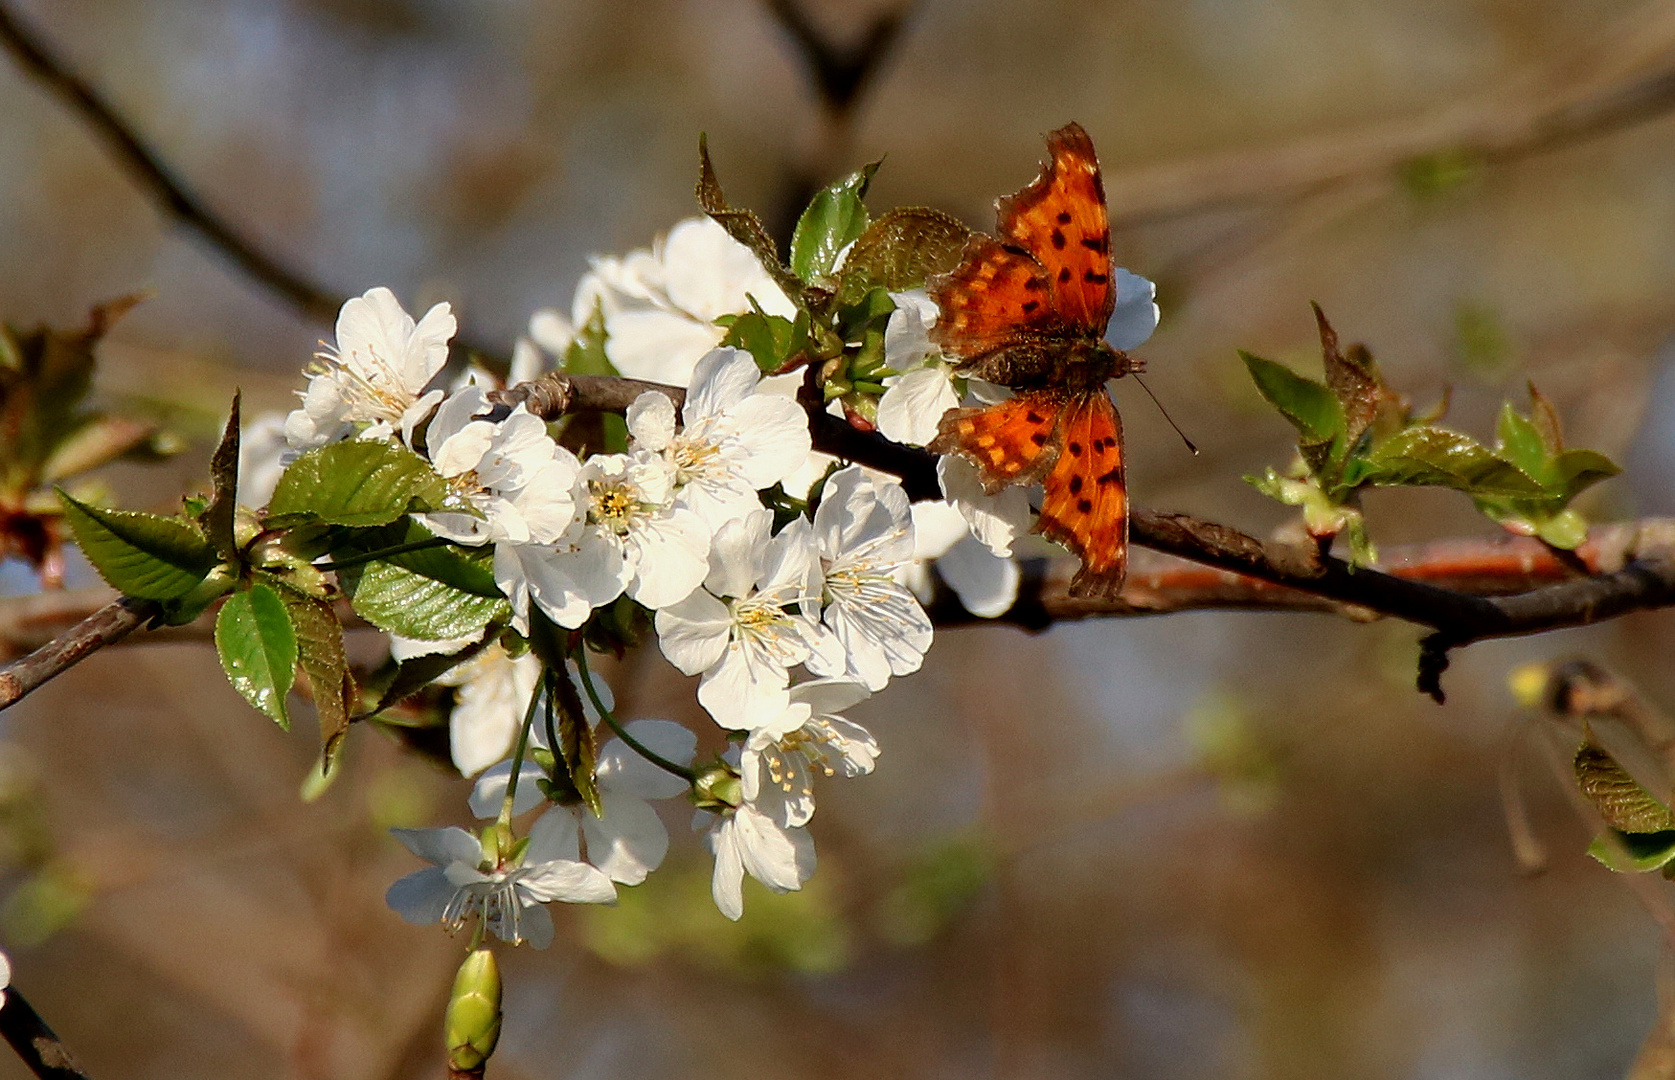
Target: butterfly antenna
(1166, 416)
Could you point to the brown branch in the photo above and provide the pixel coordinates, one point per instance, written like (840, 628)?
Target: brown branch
(41, 1050)
(111, 623)
(159, 183)
(839, 74)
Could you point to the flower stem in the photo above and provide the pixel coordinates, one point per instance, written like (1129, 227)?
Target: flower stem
(517, 757)
(384, 553)
(611, 721)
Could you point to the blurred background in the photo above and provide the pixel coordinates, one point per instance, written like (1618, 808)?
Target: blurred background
(1225, 844)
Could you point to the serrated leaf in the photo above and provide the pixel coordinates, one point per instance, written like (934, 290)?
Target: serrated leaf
(569, 733)
(1546, 420)
(834, 219)
(742, 225)
(258, 649)
(320, 652)
(418, 672)
(401, 601)
(469, 569)
(1352, 378)
(143, 555)
(217, 517)
(1622, 803)
(358, 483)
(1442, 458)
(1634, 852)
(1309, 405)
(900, 250)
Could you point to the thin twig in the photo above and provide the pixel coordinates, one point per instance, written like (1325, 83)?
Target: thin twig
(34, 1042)
(109, 624)
(167, 191)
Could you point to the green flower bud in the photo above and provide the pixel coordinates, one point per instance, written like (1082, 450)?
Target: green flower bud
(717, 788)
(472, 1026)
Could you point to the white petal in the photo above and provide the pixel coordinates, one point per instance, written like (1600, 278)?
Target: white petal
(907, 339)
(629, 841)
(742, 693)
(651, 420)
(914, 404)
(441, 846)
(623, 770)
(422, 896)
(727, 882)
(673, 559)
(489, 792)
(535, 926)
(658, 345)
(736, 555)
(554, 836)
(1136, 314)
(826, 697)
(774, 440)
(781, 859)
(552, 331)
(693, 633)
(996, 520)
(986, 584)
(722, 379)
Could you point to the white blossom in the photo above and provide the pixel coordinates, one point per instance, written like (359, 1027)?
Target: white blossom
(986, 583)
(864, 530)
(507, 895)
(262, 454)
(659, 306)
(748, 839)
(377, 375)
(632, 539)
(492, 692)
(923, 390)
(746, 627)
(521, 484)
(627, 840)
(808, 738)
(733, 440)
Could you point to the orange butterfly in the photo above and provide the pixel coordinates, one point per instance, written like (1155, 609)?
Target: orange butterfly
(1029, 311)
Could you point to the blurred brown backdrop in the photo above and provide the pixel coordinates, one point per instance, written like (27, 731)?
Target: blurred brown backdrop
(1208, 845)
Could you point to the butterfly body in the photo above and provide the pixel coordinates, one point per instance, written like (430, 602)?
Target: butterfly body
(1028, 310)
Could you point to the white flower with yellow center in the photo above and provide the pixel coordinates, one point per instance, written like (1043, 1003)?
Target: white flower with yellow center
(733, 440)
(750, 623)
(507, 893)
(376, 379)
(864, 530)
(750, 839)
(519, 482)
(808, 739)
(632, 539)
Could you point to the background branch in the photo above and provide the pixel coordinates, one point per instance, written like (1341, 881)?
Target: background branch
(34, 1042)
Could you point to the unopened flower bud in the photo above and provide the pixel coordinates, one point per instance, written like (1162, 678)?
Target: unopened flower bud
(717, 788)
(472, 1026)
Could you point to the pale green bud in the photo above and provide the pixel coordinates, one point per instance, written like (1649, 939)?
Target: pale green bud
(472, 1027)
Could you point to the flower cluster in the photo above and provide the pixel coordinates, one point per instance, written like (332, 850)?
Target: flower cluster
(787, 621)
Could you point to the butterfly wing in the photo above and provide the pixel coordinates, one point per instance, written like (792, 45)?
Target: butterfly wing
(996, 298)
(1084, 503)
(1010, 442)
(1061, 220)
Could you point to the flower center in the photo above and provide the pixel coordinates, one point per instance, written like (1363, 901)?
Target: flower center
(370, 389)
(693, 458)
(616, 505)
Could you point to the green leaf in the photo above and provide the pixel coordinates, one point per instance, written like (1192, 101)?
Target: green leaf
(1309, 405)
(1621, 801)
(1634, 852)
(320, 651)
(1441, 458)
(1353, 379)
(415, 605)
(217, 517)
(258, 649)
(569, 733)
(143, 555)
(1574, 471)
(901, 250)
(1521, 444)
(418, 672)
(834, 219)
(360, 482)
(742, 225)
(772, 340)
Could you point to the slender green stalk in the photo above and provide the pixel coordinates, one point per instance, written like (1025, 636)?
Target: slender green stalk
(384, 553)
(517, 757)
(611, 721)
